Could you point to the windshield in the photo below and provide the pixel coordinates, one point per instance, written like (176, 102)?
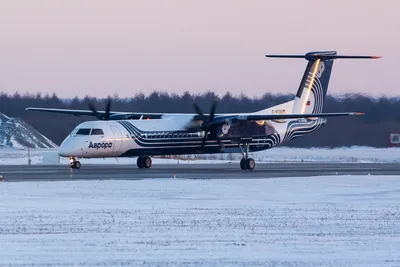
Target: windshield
(83, 131)
(86, 131)
(97, 132)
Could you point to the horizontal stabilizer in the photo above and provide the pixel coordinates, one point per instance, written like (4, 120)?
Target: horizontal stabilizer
(326, 55)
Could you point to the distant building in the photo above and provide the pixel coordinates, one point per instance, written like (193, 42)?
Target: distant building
(394, 139)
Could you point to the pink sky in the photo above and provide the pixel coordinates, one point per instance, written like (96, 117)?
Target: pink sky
(77, 47)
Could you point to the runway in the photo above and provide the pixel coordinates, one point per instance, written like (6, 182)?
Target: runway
(19, 173)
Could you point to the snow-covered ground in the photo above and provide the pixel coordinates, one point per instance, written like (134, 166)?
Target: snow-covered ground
(319, 221)
(278, 154)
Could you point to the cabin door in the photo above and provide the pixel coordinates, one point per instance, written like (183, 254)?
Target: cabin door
(117, 138)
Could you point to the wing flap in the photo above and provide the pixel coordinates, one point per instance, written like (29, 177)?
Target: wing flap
(75, 112)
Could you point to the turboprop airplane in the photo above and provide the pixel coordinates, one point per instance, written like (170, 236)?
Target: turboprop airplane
(142, 135)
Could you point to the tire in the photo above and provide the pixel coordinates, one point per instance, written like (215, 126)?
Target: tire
(250, 164)
(243, 164)
(140, 162)
(71, 165)
(77, 165)
(147, 162)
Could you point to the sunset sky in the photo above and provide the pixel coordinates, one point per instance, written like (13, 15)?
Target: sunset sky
(98, 48)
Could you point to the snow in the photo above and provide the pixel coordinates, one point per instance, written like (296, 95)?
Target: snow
(314, 221)
(354, 154)
(14, 156)
(16, 133)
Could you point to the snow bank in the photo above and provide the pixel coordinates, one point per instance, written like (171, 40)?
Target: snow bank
(16, 133)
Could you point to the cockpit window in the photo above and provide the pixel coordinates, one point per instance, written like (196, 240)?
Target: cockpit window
(74, 132)
(83, 131)
(97, 132)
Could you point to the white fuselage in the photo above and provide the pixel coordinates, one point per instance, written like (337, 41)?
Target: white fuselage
(114, 140)
(166, 136)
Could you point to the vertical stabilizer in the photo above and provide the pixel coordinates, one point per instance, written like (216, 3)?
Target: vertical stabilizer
(310, 96)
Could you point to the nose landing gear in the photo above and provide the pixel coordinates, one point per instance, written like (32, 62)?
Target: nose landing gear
(144, 162)
(74, 164)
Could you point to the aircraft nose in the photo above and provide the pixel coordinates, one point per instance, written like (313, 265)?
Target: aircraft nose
(67, 149)
(64, 151)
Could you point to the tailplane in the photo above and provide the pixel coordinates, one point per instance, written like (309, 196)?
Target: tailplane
(310, 96)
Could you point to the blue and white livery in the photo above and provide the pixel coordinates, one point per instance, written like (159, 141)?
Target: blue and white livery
(142, 135)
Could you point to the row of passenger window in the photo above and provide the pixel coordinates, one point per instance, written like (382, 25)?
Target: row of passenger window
(171, 135)
(86, 131)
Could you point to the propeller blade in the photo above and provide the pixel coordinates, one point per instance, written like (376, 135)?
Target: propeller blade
(221, 146)
(203, 142)
(108, 106)
(212, 113)
(93, 109)
(198, 110)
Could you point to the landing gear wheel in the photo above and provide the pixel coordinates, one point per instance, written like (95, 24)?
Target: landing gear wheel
(147, 162)
(75, 165)
(246, 163)
(243, 164)
(250, 164)
(140, 162)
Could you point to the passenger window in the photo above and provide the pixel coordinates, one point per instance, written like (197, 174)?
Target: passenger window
(97, 132)
(83, 131)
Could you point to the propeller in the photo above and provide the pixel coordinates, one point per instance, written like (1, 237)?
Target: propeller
(100, 116)
(207, 126)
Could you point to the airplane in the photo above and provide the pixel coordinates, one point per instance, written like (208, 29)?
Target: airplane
(142, 135)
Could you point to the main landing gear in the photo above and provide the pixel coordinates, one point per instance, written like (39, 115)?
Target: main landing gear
(144, 162)
(74, 164)
(246, 163)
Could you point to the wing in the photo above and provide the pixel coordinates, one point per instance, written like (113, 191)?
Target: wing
(114, 115)
(218, 120)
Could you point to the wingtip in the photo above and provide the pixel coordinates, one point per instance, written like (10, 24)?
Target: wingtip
(359, 113)
(376, 57)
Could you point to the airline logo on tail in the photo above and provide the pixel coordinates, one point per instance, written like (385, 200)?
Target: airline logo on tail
(321, 69)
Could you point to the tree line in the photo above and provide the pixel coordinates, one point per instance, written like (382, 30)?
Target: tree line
(382, 113)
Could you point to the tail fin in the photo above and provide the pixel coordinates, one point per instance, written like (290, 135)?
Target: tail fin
(311, 94)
